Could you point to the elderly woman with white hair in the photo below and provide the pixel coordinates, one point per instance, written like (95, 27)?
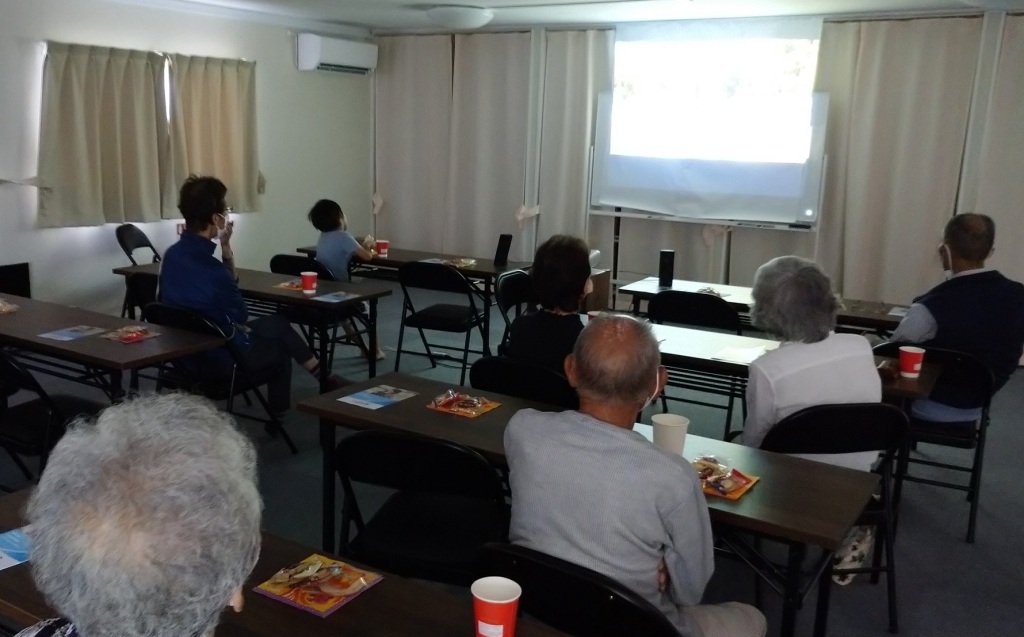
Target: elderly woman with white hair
(793, 301)
(146, 523)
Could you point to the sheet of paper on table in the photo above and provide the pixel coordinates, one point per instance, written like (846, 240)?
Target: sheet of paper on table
(744, 355)
(14, 548)
(377, 397)
(898, 311)
(72, 333)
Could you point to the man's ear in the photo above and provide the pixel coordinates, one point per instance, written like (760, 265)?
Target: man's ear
(570, 369)
(662, 379)
(237, 601)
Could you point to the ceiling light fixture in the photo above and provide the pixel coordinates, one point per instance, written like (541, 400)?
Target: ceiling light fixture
(459, 17)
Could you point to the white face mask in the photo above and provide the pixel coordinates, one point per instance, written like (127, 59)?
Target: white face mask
(947, 263)
(652, 397)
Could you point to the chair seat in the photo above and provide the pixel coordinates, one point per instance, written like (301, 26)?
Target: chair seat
(23, 426)
(430, 536)
(962, 435)
(443, 318)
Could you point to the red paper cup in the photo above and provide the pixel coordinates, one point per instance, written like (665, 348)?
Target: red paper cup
(308, 282)
(382, 248)
(910, 361)
(495, 603)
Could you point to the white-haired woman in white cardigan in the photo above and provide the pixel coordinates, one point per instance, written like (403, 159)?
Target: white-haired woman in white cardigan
(146, 523)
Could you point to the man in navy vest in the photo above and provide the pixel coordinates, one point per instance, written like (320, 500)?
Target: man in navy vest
(975, 310)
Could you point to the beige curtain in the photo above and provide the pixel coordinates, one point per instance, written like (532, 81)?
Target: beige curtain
(577, 69)
(213, 128)
(1001, 174)
(103, 117)
(900, 97)
(490, 105)
(413, 109)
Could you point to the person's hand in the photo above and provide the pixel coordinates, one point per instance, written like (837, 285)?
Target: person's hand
(226, 232)
(663, 580)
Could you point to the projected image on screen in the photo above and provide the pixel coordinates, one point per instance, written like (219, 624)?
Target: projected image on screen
(733, 100)
(713, 127)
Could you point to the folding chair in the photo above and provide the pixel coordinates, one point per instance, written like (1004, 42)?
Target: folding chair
(964, 382)
(571, 598)
(513, 292)
(695, 309)
(523, 380)
(835, 429)
(441, 317)
(33, 427)
(187, 375)
(307, 320)
(448, 503)
(142, 290)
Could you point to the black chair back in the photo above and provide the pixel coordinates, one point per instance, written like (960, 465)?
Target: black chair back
(140, 290)
(437, 277)
(965, 382)
(695, 309)
(130, 238)
(571, 598)
(513, 292)
(295, 265)
(14, 377)
(415, 464)
(847, 428)
(522, 380)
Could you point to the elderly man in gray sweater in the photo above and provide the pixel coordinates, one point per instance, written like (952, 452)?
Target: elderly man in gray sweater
(588, 489)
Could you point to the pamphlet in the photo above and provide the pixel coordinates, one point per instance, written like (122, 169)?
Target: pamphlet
(898, 311)
(14, 548)
(336, 297)
(377, 397)
(318, 585)
(72, 333)
(743, 355)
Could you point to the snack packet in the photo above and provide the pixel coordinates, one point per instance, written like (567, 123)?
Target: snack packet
(718, 479)
(461, 404)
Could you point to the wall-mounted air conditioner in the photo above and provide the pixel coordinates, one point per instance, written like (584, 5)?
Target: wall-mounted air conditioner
(319, 53)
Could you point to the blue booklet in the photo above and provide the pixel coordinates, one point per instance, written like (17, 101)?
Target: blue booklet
(72, 333)
(14, 548)
(336, 297)
(377, 397)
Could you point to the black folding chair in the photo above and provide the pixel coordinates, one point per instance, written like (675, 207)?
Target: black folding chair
(441, 317)
(189, 374)
(142, 290)
(523, 380)
(964, 382)
(836, 429)
(571, 598)
(449, 503)
(707, 311)
(32, 427)
(307, 320)
(513, 292)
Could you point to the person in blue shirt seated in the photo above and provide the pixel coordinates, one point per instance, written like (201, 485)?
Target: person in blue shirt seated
(335, 250)
(561, 279)
(976, 310)
(191, 277)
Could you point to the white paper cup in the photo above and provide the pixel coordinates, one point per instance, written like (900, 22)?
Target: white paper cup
(670, 432)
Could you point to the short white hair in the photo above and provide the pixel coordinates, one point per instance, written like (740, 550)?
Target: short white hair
(146, 522)
(793, 300)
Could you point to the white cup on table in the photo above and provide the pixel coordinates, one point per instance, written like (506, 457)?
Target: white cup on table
(670, 432)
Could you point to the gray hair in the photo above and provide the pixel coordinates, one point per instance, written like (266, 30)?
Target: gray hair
(793, 300)
(146, 522)
(617, 360)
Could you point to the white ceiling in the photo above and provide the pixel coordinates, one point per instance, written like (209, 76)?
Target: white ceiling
(391, 15)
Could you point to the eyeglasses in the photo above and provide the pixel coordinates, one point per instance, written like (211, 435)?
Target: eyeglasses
(229, 210)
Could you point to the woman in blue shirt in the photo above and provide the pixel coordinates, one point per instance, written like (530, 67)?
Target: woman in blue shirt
(336, 248)
(191, 277)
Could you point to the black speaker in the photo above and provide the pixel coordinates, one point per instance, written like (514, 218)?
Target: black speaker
(666, 268)
(501, 255)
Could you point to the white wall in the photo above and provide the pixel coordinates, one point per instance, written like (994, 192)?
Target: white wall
(314, 136)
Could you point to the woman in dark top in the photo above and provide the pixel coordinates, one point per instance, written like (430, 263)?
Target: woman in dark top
(561, 278)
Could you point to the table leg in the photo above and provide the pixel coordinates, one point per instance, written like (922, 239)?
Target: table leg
(327, 435)
(373, 338)
(635, 306)
(487, 316)
(116, 386)
(325, 338)
(791, 593)
(824, 591)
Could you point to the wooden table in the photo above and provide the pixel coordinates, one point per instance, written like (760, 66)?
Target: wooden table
(256, 285)
(484, 272)
(798, 502)
(100, 357)
(869, 315)
(396, 607)
(409, 416)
